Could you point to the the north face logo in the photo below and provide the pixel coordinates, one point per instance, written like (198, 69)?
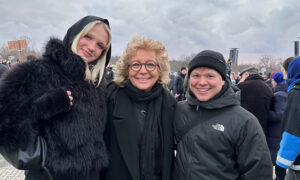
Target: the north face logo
(219, 127)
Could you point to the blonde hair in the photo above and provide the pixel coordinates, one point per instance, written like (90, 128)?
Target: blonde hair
(147, 44)
(98, 70)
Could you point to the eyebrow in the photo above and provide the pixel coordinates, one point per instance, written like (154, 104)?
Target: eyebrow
(137, 60)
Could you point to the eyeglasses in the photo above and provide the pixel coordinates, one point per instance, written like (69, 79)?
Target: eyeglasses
(149, 65)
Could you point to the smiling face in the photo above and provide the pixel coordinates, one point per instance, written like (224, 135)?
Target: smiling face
(205, 83)
(143, 79)
(91, 45)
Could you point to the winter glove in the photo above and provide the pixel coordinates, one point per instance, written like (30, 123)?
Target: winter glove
(52, 103)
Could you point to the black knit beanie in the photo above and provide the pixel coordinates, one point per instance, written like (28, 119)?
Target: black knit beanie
(211, 59)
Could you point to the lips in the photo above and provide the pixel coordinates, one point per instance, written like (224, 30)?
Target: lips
(142, 79)
(202, 90)
(86, 53)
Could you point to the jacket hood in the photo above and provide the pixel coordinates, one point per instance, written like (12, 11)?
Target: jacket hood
(230, 97)
(78, 27)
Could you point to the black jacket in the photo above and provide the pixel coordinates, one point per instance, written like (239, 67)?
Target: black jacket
(123, 139)
(227, 143)
(274, 129)
(35, 108)
(256, 97)
(291, 123)
(109, 75)
(3, 68)
(178, 84)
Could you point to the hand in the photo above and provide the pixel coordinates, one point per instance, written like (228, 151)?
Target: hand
(70, 97)
(176, 96)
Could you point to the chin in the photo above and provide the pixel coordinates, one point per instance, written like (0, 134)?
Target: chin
(202, 99)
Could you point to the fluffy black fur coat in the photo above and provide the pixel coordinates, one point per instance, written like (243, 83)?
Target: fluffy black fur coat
(33, 101)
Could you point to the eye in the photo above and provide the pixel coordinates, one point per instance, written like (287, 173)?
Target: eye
(151, 65)
(210, 76)
(135, 66)
(195, 76)
(100, 46)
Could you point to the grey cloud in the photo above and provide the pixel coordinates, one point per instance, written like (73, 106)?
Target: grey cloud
(185, 27)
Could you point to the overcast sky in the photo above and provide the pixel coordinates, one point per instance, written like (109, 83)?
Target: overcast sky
(256, 27)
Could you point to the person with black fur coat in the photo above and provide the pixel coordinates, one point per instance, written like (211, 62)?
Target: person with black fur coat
(53, 110)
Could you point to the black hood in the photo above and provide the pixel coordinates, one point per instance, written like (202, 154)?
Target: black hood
(78, 27)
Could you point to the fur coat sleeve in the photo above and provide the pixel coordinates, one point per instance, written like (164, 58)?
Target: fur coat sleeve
(23, 105)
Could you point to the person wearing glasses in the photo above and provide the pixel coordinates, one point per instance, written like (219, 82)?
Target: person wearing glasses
(140, 114)
(53, 110)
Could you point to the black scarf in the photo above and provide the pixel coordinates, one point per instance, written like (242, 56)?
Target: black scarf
(151, 142)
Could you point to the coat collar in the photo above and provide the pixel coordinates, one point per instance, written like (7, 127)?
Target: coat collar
(126, 135)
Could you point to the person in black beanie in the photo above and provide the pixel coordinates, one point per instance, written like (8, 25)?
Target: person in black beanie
(216, 138)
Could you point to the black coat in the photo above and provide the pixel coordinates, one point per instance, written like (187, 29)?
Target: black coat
(122, 138)
(256, 97)
(178, 84)
(34, 102)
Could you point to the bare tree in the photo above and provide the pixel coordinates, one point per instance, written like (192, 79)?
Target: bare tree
(175, 65)
(4, 52)
(270, 63)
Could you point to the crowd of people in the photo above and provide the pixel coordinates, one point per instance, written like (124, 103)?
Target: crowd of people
(68, 115)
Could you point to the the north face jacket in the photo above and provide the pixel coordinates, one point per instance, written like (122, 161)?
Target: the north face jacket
(228, 143)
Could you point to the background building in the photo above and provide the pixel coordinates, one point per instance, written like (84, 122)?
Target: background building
(234, 55)
(296, 48)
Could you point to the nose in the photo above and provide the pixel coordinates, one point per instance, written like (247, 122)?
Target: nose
(202, 81)
(143, 69)
(92, 46)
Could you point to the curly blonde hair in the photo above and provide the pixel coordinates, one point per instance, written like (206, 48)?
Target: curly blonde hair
(146, 44)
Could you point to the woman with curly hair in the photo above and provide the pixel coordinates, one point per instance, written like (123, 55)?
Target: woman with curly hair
(140, 110)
